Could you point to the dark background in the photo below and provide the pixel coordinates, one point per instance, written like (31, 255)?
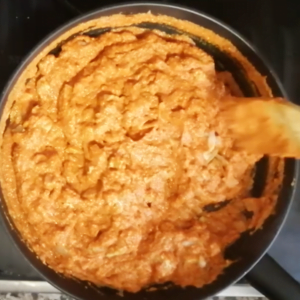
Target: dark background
(272, 26)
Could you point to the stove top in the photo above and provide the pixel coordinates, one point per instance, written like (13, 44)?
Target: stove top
(272, 26)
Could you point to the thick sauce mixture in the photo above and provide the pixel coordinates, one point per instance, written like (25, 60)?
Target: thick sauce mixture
(116, 148)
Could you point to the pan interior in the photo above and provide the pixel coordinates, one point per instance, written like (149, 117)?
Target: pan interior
(223, 62)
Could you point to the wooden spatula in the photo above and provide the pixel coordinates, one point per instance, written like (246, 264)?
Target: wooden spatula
(263, 126)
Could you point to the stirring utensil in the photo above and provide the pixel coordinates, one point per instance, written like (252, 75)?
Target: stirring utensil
(264, 126)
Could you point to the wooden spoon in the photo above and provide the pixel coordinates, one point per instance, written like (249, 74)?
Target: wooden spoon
(263, 126)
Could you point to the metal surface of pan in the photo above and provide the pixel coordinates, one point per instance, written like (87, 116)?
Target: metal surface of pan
(250, 248)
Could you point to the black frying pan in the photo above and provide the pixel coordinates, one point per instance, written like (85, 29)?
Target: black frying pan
(260, 269)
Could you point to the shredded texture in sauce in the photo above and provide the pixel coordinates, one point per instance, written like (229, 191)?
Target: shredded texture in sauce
(117, 152)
